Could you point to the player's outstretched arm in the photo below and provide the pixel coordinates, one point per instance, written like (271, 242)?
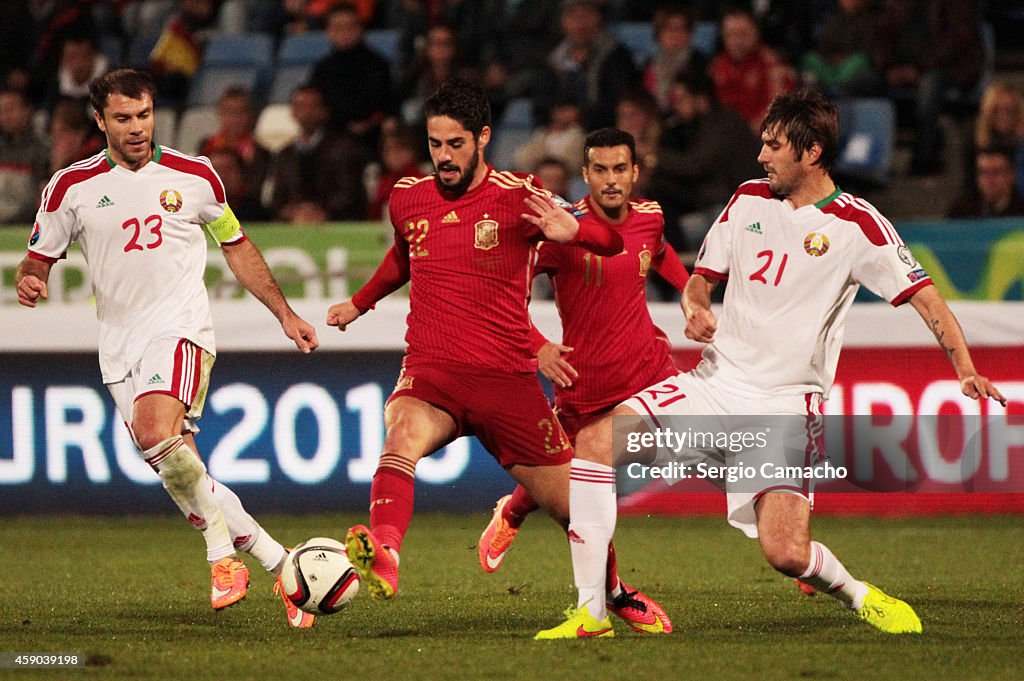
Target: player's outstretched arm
(701, 323)
(251, 270)
(342, 314)
(32, 276)
(933, 309)
(558, 224)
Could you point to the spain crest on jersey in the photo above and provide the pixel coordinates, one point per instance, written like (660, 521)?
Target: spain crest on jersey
(816, 244)
(645, 262)
(485, 234)
(170, 200)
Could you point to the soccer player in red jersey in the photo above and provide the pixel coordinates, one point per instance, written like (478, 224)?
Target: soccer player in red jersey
(612, 349)
(465, 238)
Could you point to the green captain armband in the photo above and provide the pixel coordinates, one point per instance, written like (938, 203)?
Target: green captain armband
(224, 227)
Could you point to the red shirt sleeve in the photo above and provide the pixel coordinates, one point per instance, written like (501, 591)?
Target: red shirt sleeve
(537, 340)
(668, 265)
(391, 275)
(597, 238)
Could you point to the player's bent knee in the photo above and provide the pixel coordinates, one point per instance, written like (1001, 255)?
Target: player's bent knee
(789, 559)
(181, 471)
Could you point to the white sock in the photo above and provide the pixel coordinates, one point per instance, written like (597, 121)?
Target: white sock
(184, 477)
(592, 514)
(826, 574)
(247, 534)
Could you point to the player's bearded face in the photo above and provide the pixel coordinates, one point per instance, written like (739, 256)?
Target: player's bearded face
(785, 172)
(610, 173)
(128, 125)
(455, 153)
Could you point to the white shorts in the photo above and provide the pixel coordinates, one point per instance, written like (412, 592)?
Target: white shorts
(169, 366)
(745, 470)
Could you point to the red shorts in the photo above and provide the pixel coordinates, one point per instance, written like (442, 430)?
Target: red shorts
(507, 412)
(574, 419)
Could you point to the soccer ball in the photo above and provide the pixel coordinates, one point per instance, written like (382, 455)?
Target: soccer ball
(318, 577)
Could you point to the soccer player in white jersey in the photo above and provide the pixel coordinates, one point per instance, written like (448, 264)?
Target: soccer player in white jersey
(141, 212)
(794, 249)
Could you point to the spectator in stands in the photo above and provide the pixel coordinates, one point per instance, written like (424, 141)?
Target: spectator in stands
(588, 66)
(242, 197)
(520, 38)
(179, 50)
(927, 47)
(675, 56)
(840, 65)
(747, 73)
(80, 63)
(415, 18)
(637, 113)
(17, 42)
(1000, 122)
(319, 176)
(994, 194)
(355, 80)
(554, 174)
(24, 159)
(560, 137)
(706, 151)
(437, 60)
(50, 23)
(73, 134)
(284, 18)
(237, 117)
(399, 157)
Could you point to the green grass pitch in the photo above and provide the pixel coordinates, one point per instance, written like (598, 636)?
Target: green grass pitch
(131, 594)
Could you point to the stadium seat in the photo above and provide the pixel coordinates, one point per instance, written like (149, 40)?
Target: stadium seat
(638, 38)
(196, 125)
(275, 128)
(384, 41)
(242, 49)
(867, 133)
(211, 81)
(303, 48)
(705, 37)
(287, 77)
(518, 114)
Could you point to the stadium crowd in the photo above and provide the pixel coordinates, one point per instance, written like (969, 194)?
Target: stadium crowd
(314, 110)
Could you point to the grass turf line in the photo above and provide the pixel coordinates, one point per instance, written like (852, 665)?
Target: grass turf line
(132, 594)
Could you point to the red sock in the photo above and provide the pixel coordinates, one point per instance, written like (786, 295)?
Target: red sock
(391, 500)
(519, 506)
(611, 577)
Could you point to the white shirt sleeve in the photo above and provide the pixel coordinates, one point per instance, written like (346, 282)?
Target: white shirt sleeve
(716, 250)
(54, 231)
(889, 270)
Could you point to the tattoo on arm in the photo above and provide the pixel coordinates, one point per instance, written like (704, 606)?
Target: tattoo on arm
(939, 334)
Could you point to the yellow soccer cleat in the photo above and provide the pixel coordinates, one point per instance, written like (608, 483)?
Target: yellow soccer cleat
(496, 538)
(229, 582)
(580, 624)
(377, 568)
(888, 614)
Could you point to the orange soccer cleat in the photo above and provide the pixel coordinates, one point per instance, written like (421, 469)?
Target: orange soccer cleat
(229, 582)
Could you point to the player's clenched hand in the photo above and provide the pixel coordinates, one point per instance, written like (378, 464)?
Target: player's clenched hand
(977, 387)
(30, 289)
(342, 314)
(701, 325)
(555, 222)
(302, 332)
(554, 366)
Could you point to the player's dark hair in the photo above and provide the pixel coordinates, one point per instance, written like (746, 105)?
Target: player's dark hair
(807, 118)
(608, 137)
(461, 101)
(131, 83)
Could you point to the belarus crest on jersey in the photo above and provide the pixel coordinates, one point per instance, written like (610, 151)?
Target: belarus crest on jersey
(816, 244)
(486, 235)
(170, 200)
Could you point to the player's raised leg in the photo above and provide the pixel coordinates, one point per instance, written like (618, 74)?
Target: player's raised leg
(414, 430)
(783, 522)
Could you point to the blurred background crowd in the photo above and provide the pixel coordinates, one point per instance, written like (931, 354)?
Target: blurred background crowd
(310, 110)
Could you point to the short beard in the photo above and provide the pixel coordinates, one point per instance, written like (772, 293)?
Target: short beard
(460, 187)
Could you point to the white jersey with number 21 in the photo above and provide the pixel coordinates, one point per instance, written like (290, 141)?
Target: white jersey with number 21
(792, 276)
